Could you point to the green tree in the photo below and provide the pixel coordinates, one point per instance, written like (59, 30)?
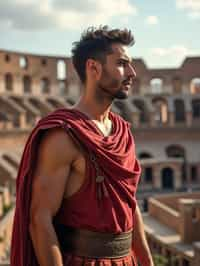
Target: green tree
(159, 260)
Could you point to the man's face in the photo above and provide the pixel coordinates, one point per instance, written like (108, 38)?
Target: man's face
(117, 73)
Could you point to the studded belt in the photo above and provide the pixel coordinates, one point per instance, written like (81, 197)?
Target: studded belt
(91, 244)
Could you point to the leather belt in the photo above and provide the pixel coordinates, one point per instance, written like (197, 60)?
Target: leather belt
(91, 244)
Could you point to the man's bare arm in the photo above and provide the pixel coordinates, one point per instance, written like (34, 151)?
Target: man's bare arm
(140, 245)
(49, 182)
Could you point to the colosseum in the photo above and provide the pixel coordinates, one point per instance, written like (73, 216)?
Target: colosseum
(164, 111)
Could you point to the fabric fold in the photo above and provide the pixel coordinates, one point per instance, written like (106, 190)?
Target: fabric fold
(115, 156)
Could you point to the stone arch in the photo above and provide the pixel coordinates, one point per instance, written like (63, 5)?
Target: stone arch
(179, 110)
(177, 84)
(195, 85)
(45, 85)
(160, 105)
(156, 85)
(27, 84)
(175, 151)
(8, 82)
(145, 155)
(141, 106)
(167, 176)
(196, 108)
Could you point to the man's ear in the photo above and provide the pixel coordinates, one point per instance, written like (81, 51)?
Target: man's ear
(94, 68)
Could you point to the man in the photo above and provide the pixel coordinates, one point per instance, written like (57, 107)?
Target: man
(78, 176)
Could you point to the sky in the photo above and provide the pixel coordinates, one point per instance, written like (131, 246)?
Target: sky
(165, 31)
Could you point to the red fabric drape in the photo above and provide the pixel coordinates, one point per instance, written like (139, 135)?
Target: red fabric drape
(115, 154)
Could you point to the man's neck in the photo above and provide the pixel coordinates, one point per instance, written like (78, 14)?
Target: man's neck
(93, 110)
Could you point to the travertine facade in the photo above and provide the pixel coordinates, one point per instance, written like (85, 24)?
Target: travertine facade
(163, 108)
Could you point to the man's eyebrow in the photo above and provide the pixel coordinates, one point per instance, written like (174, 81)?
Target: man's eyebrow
(125, 59)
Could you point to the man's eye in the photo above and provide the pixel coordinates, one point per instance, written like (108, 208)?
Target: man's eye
(122, 63)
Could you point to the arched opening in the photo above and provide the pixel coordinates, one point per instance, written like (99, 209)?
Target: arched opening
(7, 58)
(194, 173)
(179, 108)
(177, 85)
(61, 69)
(140, 104)
(176, 151)
(8, 82)
(196, 108)
(45, 85)
(27, 84)
(43, 61)
(144, 155)
(23, 62)
(160, 110)
(195, 85)
(156, 85)
(167, 178)
(148, 175)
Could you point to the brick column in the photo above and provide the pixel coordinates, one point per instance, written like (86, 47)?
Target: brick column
(18, 84)
(177, 178)
(186, 225)
(6, 196)
(157, 177)
(188, 118)
(1, 205)
(2, 83)
(152, 119)
(22, 120)
(8, 125)
(36, 86)
(171, 119)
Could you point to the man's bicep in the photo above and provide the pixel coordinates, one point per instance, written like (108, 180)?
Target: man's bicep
(51, 173)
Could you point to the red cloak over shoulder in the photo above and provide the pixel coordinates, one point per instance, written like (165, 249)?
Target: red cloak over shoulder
(115, 155)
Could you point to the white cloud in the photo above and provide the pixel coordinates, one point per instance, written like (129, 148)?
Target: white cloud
(152, 20)
(191, 6)
(174, 54)
(63, 14)
(171, 56)
(175, 50)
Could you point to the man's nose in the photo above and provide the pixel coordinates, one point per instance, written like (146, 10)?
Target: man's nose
(131, 72)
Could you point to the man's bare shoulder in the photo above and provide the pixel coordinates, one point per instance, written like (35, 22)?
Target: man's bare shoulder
(56, 144)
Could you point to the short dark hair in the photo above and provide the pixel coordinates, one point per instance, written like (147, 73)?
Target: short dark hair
(95, 43)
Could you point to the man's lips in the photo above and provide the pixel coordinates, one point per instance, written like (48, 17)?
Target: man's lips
(127, 83)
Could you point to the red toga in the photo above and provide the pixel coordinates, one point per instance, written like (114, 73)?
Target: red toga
(105, 206)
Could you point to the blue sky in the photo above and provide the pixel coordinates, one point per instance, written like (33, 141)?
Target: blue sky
(165, 31)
